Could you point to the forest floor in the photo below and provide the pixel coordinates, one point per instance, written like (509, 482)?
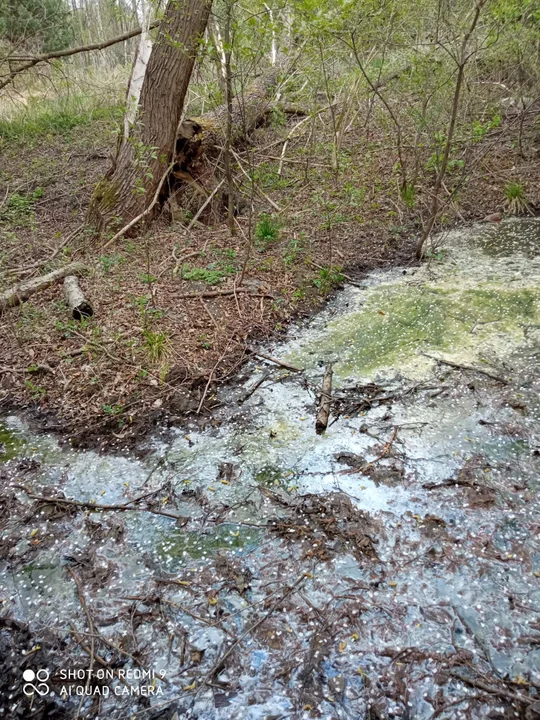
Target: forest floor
(162, 341)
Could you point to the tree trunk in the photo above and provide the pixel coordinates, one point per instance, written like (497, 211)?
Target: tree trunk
(144, 156)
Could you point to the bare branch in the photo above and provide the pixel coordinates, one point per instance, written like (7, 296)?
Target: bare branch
(36, 60)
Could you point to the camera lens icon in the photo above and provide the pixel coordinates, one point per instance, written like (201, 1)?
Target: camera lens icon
(40, 677)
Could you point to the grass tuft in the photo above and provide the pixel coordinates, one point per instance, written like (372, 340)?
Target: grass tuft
(516, 200)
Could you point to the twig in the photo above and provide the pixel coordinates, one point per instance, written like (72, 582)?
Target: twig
(274, 360)
(257, 189)
(203, 206)
(481, 685)
(61, 245)
(472, 368)
(250, 629)
(220, 358)
(97, 658)
(127, 507)
(383, 454)
(84, 606)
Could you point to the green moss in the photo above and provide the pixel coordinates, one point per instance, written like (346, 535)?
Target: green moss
(398, 322)
(105, 195)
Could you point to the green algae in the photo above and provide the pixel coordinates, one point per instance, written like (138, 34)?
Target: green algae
(272, 476)
(179, 545)
(398, 322)
(11, 444)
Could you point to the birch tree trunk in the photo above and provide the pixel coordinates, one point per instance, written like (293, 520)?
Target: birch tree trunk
(144, 156)
(139, 70)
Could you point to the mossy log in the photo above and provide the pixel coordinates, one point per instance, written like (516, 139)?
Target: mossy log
(205, 135)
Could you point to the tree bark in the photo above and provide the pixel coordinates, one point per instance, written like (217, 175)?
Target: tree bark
(79, 305)
(144, 156)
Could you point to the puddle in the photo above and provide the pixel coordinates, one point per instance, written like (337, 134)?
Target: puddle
(402, 542)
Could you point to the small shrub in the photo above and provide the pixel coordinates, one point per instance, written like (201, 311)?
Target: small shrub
(408, 195)
(277, 117)
(112, 409)
(19, 209)
(293, 249)
(328, 278)
(109, 261)
(211, 275)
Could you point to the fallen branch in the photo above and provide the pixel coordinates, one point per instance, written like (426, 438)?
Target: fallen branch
(254, 387)
(126, 507)
(221, 293)
(22, 291)
(323, 414)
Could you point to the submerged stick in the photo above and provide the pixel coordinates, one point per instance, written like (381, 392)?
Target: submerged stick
(273, 360)
(79, 305)
(326, 398)
(21, 292)
(96, 507)
(472, 368)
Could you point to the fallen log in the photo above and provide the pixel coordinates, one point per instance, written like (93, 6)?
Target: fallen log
(79, 305)
(205, 135)
(22, 291)
(321, 422)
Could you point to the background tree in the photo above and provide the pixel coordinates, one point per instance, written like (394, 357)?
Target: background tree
(37, 25)
(146, 153)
